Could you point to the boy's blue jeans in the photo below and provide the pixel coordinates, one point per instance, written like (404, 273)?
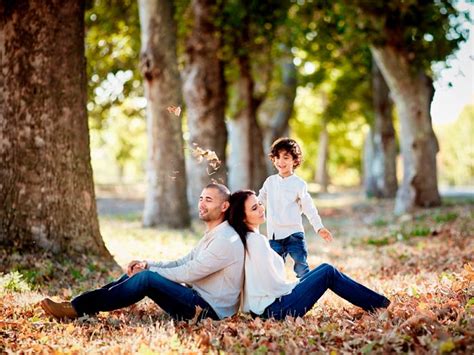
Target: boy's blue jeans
(175, 299)
(294, 245)
(313, 285)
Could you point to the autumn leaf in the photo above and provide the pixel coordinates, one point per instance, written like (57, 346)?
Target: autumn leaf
(195, 319)
(176, 110)
(468, 272)
(209, 155)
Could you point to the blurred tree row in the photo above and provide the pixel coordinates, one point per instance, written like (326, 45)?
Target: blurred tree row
(244, 72)
(240, 80)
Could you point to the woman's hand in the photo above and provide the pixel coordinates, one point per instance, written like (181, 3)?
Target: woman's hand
(325, 234)
(136, 266)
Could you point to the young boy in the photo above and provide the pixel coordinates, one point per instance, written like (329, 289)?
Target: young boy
(286, 196)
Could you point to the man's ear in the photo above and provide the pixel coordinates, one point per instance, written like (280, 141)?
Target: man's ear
(225, 206)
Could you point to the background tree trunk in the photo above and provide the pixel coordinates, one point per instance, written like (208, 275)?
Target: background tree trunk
(322, 176)
(46, 187)
(247, 167)
(380, 173)
(275, 112)
(165, 203)
(370, 185)
(205, 96)
(412, 93)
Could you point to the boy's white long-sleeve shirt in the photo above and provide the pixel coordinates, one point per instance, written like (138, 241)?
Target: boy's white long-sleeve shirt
(214, 268)
(265, 278)
(285, 199)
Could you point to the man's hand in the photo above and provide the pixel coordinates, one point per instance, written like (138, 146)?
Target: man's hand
(136, 266)
(325, 234)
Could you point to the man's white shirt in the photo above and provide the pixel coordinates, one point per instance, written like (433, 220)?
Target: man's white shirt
(214, 268)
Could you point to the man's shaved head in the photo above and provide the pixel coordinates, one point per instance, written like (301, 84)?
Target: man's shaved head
(224, 192)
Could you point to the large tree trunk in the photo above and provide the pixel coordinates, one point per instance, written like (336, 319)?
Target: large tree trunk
(247, 167)
(380, 174)
(205, 95)
(165, 203)
(46, 188)
(322, 176)
(412, 93)
(275, 112)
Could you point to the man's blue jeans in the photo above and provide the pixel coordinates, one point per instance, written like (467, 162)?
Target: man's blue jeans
(294, 245)
(313, 285)
(175, 299)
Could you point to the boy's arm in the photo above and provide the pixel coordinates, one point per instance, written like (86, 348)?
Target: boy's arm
(310, 210)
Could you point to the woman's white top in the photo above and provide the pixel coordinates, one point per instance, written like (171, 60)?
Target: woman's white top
(265, 278)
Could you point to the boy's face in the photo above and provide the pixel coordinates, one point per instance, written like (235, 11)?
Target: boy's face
(284, 163)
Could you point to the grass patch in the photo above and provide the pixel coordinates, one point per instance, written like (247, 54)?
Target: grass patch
(420, 217)
(380, 222)
(456, 201)
(445, 217)
(13, 282)
(403, 234)
(380, 241)
(125, 217)
(420, 231)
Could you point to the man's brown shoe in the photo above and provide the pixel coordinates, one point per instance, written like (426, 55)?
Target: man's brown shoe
(58, 309)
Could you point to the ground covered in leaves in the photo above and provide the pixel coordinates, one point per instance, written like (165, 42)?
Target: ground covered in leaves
(423, 263)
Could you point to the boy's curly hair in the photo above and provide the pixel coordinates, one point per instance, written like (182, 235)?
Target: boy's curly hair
(288, 145)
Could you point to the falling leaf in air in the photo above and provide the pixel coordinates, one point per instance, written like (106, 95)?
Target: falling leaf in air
(213, 160)
(176, 110)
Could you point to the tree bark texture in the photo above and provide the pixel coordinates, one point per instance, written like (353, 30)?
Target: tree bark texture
(380, 173)
(247, 167)
(205, 96)
(46, 187)
(412, 93)
(165, 203)
(276, 111)
(322, 176)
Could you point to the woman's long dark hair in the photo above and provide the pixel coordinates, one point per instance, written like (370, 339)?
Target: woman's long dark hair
(236, 213)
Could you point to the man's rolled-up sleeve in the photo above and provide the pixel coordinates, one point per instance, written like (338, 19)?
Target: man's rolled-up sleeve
(154, 265)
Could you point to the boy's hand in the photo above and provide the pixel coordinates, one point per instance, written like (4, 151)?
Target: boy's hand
(325, 234)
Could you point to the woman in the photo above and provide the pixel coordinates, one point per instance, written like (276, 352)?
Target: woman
(266, 291)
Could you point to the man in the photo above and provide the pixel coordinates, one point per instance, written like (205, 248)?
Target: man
(213, 270)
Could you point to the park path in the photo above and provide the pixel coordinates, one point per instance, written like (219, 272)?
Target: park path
(118, 203)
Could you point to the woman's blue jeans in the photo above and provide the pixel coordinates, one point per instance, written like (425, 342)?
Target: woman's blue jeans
(313, 285)
(175, 299)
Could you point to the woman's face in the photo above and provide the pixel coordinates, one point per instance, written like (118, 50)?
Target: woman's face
(254, 212)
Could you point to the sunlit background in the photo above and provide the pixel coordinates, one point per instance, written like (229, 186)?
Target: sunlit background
(118, 127)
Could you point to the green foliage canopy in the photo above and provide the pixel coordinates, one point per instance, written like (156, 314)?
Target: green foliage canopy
(424, 31)
(115, 91)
